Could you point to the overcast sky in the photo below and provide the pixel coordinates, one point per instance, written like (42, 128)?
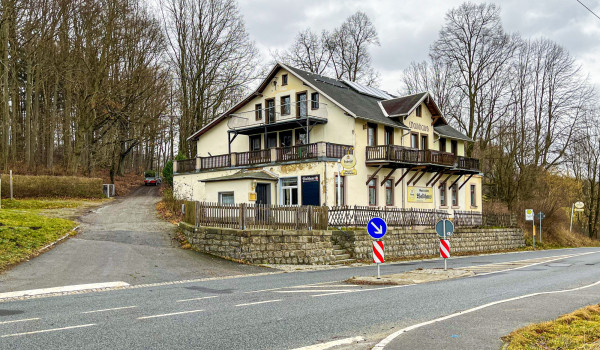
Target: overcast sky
(407, 28)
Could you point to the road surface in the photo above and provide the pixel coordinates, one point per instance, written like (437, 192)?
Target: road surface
(120, 241)
(298, 309)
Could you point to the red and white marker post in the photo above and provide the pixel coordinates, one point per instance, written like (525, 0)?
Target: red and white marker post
(445, 251)
(378, 255)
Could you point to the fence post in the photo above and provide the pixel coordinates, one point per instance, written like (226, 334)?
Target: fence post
(309, 219)
(11, 186)
(242, 216)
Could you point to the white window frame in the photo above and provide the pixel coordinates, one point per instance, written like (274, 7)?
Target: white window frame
(283, 188)
(226, 193)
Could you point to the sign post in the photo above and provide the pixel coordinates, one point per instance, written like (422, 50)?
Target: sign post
(444, 229)
(541, 216)
(530, 216)
(377, 228)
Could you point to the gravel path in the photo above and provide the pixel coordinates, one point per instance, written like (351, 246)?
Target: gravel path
(120, 241)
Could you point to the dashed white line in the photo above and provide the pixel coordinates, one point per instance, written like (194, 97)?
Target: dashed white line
(171, 314)
(312, 291)
(332, 344)
(113, 309)
(259, 302)
(194, 299)
(23, 320)
(48, 330)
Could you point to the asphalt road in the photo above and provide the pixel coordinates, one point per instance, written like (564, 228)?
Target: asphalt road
(290, 310)
(120, 241)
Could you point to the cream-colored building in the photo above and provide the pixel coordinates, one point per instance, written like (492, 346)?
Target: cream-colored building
(283, 143)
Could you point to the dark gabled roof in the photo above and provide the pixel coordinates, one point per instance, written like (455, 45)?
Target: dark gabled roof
(448, 131)
(360, 105)
(402, 106)
(244, 175)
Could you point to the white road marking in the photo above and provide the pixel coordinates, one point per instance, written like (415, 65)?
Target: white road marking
(193, 299)
(332, 344)
(171, 314)
(328, 286)
(394, 335)
(62, 289)
(264, 290)
(113, 309)
(311, 291)
(363, 290)
(537, 263)
(48, 330)
(24, 320)
(260, 302)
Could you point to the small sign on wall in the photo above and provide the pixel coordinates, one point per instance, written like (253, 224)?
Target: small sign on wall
(252, 196)
(420, 194)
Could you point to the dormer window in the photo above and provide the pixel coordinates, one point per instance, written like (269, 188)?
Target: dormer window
(284, 79)
(418, 111)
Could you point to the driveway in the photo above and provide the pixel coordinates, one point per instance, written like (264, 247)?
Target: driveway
(121, 241)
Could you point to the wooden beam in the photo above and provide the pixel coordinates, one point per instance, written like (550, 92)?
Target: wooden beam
(438, 174)
(416, 173)
(374, 174)
(467, 180)
(455, 181)
(403, 175)
(444, 182)
(437, 179)
(387, 177)
(419, 178)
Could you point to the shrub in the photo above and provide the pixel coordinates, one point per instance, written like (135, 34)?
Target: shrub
(52, 187)
(168, 169)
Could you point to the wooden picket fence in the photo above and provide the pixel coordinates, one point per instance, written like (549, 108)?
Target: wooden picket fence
(359, 216)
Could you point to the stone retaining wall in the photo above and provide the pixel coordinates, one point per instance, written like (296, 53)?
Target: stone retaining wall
(316, 247)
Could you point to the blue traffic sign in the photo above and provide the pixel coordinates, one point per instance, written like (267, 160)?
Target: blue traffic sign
(444, 228)
(377, 228)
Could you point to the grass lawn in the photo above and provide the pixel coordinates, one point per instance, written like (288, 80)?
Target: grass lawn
(28, 225)
(578, 330)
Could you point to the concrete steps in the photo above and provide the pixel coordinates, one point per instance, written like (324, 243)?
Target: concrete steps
(342, 256)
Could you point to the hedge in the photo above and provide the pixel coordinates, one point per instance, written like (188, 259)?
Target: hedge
(52, 187)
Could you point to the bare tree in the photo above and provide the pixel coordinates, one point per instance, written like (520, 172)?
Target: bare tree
(309, 52)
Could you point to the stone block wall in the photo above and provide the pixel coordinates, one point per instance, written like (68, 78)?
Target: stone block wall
(316, 247)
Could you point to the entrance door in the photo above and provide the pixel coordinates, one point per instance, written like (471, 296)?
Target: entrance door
(263, 198)
(310, 190)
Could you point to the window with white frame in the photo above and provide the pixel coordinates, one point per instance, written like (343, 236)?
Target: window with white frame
(289, 191)
(454, 190)
(226, 198)
(443, 196)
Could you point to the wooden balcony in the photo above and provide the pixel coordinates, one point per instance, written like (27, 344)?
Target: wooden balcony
(253, 157)
(393, 156)
(471, 164)
(299, 152)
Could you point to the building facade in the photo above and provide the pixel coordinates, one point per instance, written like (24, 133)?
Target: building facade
(283, 143)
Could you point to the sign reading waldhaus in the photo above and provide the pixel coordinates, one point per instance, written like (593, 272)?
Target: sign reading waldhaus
(298, 126)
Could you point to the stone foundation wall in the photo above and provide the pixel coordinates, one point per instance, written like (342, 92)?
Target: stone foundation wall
(316, 247)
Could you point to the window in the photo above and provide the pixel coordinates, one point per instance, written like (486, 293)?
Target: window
(473, 196)
(424, 143)
(418, 111)
(371, 134)
(284, 79)
(454, 147)
(373, 192)
(226, 198)
(454, 190)
(389, 192)
(389, 135)
(285, 138)
(301, 137)
(285, 105)
(442, 142)
(289, 191)
(341, 180)
(272, 140)
(302, 109)
(270, 112)
(443, 196)
(314, 100)
(414, 140)
(255, 143)
(258, 111)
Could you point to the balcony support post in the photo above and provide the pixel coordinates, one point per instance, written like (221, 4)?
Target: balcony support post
(403, 176)
(419, 178)
(455, 181)
(436, 178)
(467, 180)
(416, 173)
(446, 180)
(388, 176)
(374, 174)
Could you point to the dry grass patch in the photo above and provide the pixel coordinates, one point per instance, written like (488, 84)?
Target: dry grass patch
(578, 330)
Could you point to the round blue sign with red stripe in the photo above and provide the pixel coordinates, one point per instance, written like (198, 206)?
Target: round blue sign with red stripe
(377, 228)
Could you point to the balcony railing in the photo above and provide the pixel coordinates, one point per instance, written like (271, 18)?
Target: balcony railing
(253, 157)
(399, 154)
(186, 166)
(299, 152)
(338, 151)
(215, 162)
(278, 113)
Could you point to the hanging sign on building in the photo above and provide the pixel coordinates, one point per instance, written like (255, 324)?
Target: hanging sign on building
(420, 194)
(348, 163)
